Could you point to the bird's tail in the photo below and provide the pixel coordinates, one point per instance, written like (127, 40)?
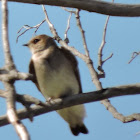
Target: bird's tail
(79, 129)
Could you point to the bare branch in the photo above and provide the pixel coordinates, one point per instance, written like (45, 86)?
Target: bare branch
(27, 27)
(100, 51)
(13, 75)
(138, 133)
(108, 58)
(94, 75)
(24, 99)
(98, 6)
(12, 115)
(134, 55)
(80, 99)
(88, 61)
(82, 31)
(10, 67)
(56, 36)
(70, 11)
(51, 26)
(8, 57)
(67, 29)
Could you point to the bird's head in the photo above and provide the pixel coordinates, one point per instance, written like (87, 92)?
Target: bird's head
(40, 43)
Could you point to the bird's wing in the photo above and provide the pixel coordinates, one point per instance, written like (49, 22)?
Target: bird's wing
(74, 65)
(32, 71)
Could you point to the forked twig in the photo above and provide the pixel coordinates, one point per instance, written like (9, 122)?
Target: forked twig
(134, 55)
(100, 51)
(27, 27)
(67, 29)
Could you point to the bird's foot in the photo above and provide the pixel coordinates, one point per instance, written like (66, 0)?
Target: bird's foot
(51, 100)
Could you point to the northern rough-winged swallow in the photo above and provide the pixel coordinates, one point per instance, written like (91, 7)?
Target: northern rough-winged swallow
(57, 76)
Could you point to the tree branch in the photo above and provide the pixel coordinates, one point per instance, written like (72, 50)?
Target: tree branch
(80, 99)
(98, 6)
(67, 29)
(88, 61)
(13, 75)
(8, 58)
(77, 16)
(100, 51)
(9, 83)
(57, 37)
(27, 27)
(12, 114)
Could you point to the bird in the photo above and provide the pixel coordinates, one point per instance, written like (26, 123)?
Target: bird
(56, 75)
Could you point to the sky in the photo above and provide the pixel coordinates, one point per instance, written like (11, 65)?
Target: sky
(122, 40)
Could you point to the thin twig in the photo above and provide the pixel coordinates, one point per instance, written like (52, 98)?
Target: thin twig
(100, 51)
(107, 58)
(27, 27)
(67, 29)
(134, 55)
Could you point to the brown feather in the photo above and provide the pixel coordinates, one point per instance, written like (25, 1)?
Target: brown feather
(74, 65)
(32, 71)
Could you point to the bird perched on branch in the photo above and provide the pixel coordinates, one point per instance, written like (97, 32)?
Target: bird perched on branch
(57, 76)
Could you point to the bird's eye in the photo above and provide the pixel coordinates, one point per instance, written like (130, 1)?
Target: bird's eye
(36, 40)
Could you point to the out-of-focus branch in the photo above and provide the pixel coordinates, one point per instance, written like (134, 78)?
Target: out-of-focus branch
(98, 6)
(24, 99)
(8, 58)
(81, 99)
(14, 75)
(12, 114)
(9, 83)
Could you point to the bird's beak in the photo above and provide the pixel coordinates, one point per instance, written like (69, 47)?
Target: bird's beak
(26, 45)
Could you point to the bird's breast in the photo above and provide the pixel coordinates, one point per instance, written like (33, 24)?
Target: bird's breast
(56, 82)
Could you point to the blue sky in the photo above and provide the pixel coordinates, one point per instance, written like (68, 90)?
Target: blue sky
(122, 39)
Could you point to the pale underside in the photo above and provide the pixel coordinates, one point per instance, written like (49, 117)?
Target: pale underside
(58, 82)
